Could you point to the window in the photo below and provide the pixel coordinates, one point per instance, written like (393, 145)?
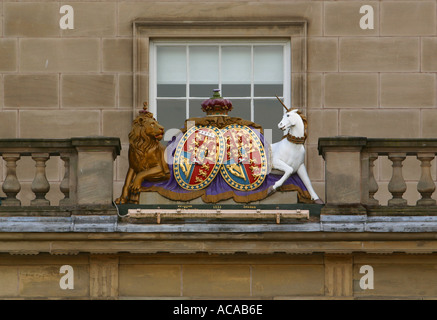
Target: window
(223, 46)
(249, 73)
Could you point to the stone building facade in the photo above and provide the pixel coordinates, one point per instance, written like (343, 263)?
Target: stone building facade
(375, 82)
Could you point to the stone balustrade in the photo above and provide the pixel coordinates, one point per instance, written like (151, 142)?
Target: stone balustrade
(88, 171)
(350, 184)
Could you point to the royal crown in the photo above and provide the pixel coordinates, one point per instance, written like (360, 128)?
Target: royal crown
(216, 105)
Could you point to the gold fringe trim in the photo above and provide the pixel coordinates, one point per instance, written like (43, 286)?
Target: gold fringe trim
(303, 196)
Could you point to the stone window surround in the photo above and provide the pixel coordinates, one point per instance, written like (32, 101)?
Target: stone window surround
(145, 30)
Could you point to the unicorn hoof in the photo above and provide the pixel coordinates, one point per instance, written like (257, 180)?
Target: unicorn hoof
(319, 201)
(271, 190)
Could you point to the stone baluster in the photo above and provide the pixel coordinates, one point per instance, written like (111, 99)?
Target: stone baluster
(40, 184)
(65, 183)
(373, 185)
(397, 185)
(426, 185)
(11, 185)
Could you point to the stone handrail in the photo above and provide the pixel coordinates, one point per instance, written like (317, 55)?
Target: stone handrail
(349, 178)
(88, 162)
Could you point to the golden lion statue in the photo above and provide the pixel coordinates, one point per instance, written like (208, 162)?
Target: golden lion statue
(146, 156)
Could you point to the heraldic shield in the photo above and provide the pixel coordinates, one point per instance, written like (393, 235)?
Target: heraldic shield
(245, 163)
(198, 157)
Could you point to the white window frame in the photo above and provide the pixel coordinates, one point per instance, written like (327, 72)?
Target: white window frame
(285, 43)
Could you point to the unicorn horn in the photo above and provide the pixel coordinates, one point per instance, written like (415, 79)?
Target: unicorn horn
(283, 104)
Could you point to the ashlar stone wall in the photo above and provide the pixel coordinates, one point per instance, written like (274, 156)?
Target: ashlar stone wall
(378, 82)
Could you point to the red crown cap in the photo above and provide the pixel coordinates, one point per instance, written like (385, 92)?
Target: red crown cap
(216, 105)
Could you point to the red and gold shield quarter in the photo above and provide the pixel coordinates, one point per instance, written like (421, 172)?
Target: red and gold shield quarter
(198, 157)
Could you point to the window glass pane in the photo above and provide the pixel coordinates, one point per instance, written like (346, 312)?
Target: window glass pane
(241, 109)
(171, 113)
(268, 113)
(196, 108)
(171, 90)
(268, 90)
(171, 64)
(202, 90)
(268, 64)
(204, 64)
(236, 90)
(236, 64)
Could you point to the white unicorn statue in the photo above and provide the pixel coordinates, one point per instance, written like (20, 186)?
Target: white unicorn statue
(288, 155)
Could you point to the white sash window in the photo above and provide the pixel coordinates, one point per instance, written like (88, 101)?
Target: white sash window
(250, 74)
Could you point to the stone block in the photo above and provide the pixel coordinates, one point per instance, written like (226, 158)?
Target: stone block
(351, 90)
(343, 180)
(59, 123)
(408, 90)
(125, 91)
(338, 275)
(118, 186)
(117, 123)
(60, 55)
(1, 20)
(315, 165)
(429, 58)
(8, 54)
(92, 19)
(398, 280)
(342, 18)
(216, 280)
(395, 54)
(31, 91)
(104, 277)
(408, 18)
(428, 121)
(95, 176)
(27, 19)
(150, 280)
(122, 163)
(315, 90)
(153, 198)
(322, 54)
(287, 280)
(280, 197)
(43, 281)
(8, 281)
(380, 123)
(258, 11)
(2, 91)
(142, 92)
(319, 188)
(322, 123)
(117, 55)
(8, 124)
(90, 91)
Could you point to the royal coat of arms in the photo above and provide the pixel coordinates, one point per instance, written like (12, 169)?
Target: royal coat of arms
(216, 157)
